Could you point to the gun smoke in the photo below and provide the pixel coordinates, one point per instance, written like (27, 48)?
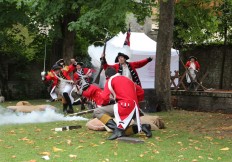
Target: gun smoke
(49, 115)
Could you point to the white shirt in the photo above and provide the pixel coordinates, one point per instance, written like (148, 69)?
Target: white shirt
(126, 72)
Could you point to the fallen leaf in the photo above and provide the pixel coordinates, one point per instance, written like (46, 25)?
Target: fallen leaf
(38, 130)
(197, 148)
(24, 139)
(194, 160)
(115, 153)
(158, 138)
(13, 156)
(93, 145)
(81, 141)
(200, 157)
(30, 142)
(73, 156)
(32, 160)
(141, 155)
(12, 132)
(225, 149)
(69, 142)
(180, 143)
(80, 147)
(8, 147)
(45, 153)
(55, 149)
(155, 151)
(210, 158)
(208, 138)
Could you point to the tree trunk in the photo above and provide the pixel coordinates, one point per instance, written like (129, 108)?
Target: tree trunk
(163, 55)
(68, 36)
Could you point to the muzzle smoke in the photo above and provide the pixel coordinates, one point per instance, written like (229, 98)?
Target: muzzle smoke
(49, 115)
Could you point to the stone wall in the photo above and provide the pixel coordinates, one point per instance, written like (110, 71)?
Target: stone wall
(203, 101)
(210, 59)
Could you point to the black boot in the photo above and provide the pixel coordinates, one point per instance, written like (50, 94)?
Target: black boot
(65, 106)
(82, 106)
(117, 132)
(146, 128)
(111, 124)
(69, 103)
(70, 111)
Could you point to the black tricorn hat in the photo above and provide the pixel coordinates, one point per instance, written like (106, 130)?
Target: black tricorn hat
(60, 62)
(56, 67)
(123, 55)
(80, 63)
(192, 57)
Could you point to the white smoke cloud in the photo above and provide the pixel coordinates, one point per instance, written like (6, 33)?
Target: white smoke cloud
(49, 115)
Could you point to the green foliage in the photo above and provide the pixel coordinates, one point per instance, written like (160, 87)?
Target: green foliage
(202, 21)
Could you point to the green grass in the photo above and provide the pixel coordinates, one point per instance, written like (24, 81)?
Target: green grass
(188, 136)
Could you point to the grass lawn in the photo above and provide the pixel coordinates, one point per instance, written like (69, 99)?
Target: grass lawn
(188, 136)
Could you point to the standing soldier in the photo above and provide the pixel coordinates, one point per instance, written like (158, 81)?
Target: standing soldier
(64, 83)
(125, 68)
(79, 75)
(193, 67)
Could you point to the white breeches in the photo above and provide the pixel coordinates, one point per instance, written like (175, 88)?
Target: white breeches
(193, 75)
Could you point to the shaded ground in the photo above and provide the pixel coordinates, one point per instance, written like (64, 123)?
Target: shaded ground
(213, 124)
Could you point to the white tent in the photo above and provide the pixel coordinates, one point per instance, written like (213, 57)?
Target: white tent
(141, 47)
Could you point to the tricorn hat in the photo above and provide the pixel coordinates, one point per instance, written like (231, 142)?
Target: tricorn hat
(192, 57)
(56, 67)
(60, 62)
(80, 63)
(123, 55)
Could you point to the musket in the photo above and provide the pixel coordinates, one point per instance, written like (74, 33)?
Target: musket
(188, 72)
(81, 113)
(97, 78)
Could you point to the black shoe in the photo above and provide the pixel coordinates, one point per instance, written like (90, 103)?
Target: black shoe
(82, 107)
(116, 134)
(70, 111)
(146, 128)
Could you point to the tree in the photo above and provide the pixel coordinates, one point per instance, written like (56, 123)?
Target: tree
(163, 54)
(85, 18)
(202, 22)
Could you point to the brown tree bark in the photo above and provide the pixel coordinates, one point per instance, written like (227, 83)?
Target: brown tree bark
(163, 55)
(68, 36)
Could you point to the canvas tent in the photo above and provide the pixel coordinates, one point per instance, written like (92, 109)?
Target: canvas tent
(141, 47)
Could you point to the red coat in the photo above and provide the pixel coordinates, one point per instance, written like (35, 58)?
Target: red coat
(196, 64)
(93, 93)
(125, 94)
(134, 66)
(65, 72)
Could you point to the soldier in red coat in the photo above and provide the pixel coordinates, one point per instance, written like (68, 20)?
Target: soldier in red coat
(125, 68)
(62, 82)
(125, 93)
(193, 67)
(80, 73)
